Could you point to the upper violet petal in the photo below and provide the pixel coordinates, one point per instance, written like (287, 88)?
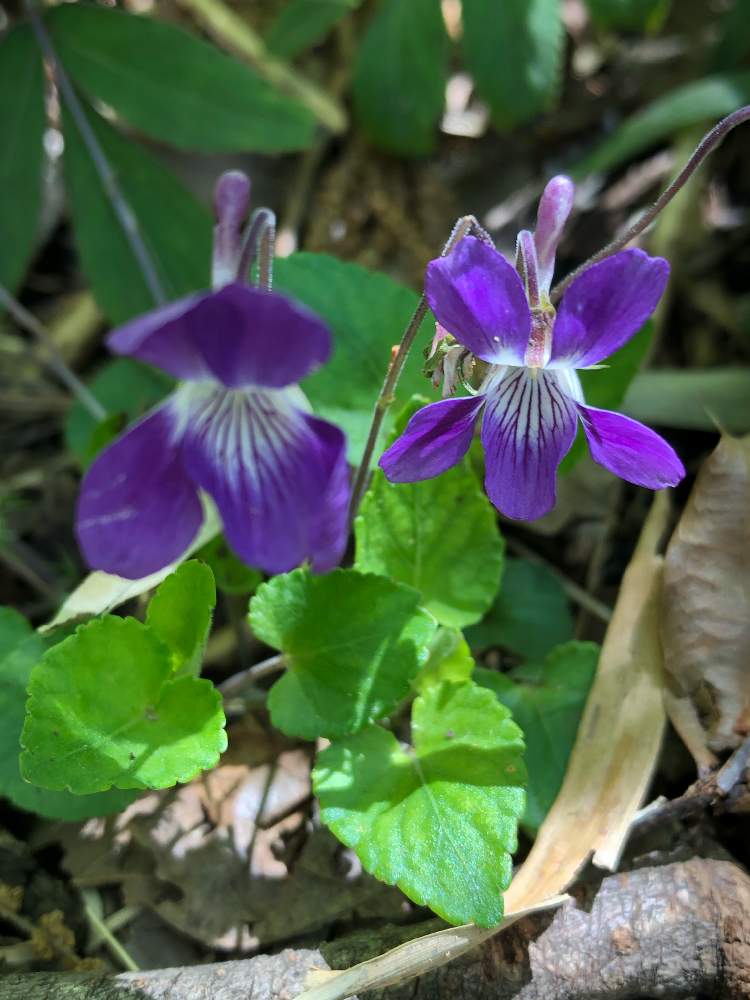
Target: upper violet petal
(435, 439)
(630, 450)
(607, 304)
(529, 426)
(250, 337)
(137, 510)
(479, 298)
(163, 338)
(277, 475)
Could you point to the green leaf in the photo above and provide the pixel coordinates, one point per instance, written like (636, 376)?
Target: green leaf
(440, 821)
(701, 101)
(22, 122)
(303, 23)
(352, 644)
(104, 711)
(20, 649)
(126, 389)
(606, 387)
(439, 536)
(180, 613)
(514, 51)
(174, 87)
(547, 701)
(449, 659)
(531, 614)
(175, 228)
(629, 15)
(232, 576)
(697, 399)
(400, 75)
(367, 312)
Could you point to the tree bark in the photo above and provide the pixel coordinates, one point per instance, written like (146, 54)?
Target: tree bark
(675, 932)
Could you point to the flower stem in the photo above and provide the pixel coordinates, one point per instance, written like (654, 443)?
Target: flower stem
(707, 144)
(55, 361)
(107, 176)
(463, 227)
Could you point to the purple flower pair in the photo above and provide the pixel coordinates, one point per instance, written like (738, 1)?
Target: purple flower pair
(238, 428)
(531, 394)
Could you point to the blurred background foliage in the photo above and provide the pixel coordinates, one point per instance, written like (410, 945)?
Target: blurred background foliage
(368, 126)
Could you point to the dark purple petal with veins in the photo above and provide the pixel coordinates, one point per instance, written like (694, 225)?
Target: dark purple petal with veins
(162, 338)
(436, 438)
(529, 426)
(251, 337)
(630, 450)
(605, 306)
(137, 510)
(277, 475)
(479, 298)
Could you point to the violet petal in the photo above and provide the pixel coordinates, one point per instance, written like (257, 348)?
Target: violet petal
(479, 298)
(162, 338)
(529, 426)
(629, 449)
(277, 475)
(251, 337)
(435, 439)
(137, 510)
(554, 208)
(605, 306)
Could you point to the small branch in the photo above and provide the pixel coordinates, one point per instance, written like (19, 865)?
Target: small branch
(709, 142)
(462, 228)
(54, 359)
(237, 683)
(107, 176)
(237, 35)
(106, 935)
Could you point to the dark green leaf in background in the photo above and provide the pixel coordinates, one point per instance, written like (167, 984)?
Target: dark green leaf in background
(175, 228)
(629, 15)
(440, 821)
(439, 536)
(400, 75)
(126, 389)
(547, 701)
(514, 51)
(698, 102)
(231, 574)
(105, 710)
(22, 119)
(702, 399)
(174, 87)
(367, 312)
(530, 616)
(301, 24)
(352, 643)
(20, 649)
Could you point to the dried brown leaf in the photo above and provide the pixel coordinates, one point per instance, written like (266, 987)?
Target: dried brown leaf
(705, 622)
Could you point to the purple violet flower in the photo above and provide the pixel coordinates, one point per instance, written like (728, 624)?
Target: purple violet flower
(531, 394)
(238, 427)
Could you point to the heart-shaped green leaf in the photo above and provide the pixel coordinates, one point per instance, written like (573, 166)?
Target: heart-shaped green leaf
(180, 613)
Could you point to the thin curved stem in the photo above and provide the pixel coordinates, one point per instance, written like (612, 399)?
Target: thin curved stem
(707, 144)
(463, 227)
(107, 176)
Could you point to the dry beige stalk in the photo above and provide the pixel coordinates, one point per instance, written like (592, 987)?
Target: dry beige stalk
(706, 606)
(607, 778)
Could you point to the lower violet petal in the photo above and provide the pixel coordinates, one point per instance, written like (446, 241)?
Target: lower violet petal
(278, 476)
(529, 426)
(436, 438)
(137, 510)
(630, 450)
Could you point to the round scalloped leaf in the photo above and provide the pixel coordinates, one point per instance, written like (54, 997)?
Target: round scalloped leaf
(103, 712)
(20, 649)
(352, 642)
(439, 821)
(180, 613)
